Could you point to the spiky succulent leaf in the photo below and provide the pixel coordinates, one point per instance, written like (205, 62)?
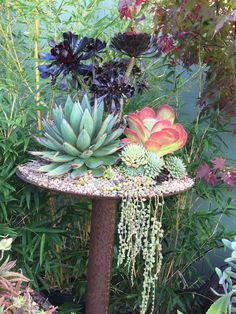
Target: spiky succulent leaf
(68, 108)
(105, 125)
(93, 162)
(75, 117)
(67, 132)
(98, 111)
(100, 142)
(77, 163)
(57, 113)
(109, 160)
(84, 140)
(48, 167)
(107, 150)
(99, 172)
(52, 131)
(53, 140)
(61, 169)
(175, 166)
(79, 172)
(113, 136)
(85, 104)
(71, 150)
(45, 142)
(87, 122)
(62, 158)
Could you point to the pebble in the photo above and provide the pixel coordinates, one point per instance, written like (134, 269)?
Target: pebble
(101, 187)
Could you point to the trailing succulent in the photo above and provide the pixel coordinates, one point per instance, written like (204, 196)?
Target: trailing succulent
(79, 139)
(175, 166)
(138, 161)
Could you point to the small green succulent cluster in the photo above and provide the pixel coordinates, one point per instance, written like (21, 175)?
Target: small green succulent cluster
(136, 161)
(175, 166)
(79, 139)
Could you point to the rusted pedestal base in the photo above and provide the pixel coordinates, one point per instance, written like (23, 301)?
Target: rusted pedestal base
(100, 255)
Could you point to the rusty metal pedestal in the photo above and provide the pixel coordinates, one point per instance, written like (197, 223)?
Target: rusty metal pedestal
(100, 255)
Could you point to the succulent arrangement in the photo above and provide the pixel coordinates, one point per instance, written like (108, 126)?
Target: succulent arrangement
(88, 138)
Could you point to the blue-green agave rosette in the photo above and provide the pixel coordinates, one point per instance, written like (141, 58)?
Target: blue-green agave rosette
(79, 139)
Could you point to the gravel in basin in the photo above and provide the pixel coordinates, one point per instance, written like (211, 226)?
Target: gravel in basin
(117, 187)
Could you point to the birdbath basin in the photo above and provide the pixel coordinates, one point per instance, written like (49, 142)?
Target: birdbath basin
(105, 195)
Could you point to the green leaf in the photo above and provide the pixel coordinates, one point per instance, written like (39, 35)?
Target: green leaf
(85, 103)
(220, 306)
(77, 163)
(109, 160)
(57, 116)
(68, 108)
(75, 117)
(48, 168)
(107, 150)
(62, 158)
(52, 131)
(97, 114)
(104, 127)
(45, 142)
(54, 141)
(87, 123)
(62, 169)
(98, 172)
(68, 133)
(93, 162)
(42, 249)
(79, 172)
(71, 150)
(113, 136)
(83, 141)
(100, 142)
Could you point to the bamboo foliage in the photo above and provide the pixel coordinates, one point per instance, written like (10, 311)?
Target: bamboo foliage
(37, 74)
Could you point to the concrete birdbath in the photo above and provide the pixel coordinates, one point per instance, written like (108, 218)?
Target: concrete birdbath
(105, 195)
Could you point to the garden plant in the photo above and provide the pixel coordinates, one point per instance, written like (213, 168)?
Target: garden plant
(92, 98)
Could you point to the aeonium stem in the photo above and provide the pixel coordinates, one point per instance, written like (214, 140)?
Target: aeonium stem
(126, 79)
(130, 68)
(121, 110)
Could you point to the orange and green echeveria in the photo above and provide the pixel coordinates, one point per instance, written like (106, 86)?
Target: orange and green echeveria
(156, 131)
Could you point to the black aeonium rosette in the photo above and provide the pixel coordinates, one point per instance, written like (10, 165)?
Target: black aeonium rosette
(93, 48)
(68, 57)
(110, 84)
(135, 45)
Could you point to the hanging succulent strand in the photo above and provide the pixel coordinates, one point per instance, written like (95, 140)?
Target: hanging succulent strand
(37, 73)
(140, 231)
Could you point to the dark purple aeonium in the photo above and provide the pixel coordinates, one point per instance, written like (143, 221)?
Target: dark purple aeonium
(135, 45)
(68, 57)
(110, 86)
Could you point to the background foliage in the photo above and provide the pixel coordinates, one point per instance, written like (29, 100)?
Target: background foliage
(51, 233)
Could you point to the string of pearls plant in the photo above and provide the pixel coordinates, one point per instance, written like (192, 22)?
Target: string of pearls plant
(140, 234)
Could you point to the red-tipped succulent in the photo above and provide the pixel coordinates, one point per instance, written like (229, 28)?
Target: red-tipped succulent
(156, 131)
